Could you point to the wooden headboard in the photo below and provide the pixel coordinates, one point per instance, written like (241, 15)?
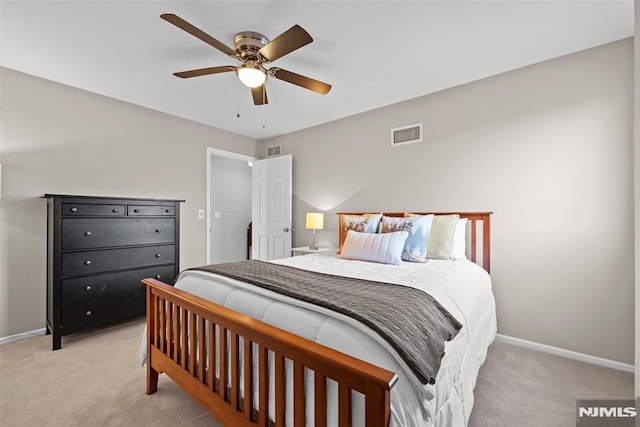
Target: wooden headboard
(479, 255)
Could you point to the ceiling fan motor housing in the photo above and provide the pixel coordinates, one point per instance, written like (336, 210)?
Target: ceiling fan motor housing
(248, 43)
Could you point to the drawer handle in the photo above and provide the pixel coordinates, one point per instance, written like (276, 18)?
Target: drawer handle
(167, 210)
(157, 276)
(87, 288)
(87, 262)
(157, 230)
(114, 210)
(87, 233)
(157, 255)
(74, 209)
(136, 210)
(88, 313)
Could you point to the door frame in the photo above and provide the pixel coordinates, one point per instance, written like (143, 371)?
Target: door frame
(222, 153)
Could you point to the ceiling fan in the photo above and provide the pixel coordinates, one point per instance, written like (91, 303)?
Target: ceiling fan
(254, 50)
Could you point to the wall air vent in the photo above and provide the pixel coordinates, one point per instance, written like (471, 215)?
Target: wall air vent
(406, 135)
(273, 151)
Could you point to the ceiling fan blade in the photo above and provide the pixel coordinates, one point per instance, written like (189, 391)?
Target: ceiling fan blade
(292, 39)
(204, 71)
(259, 95)
(196, 32)
(302, 81)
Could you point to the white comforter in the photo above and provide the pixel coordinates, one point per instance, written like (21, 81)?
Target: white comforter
(462, 287)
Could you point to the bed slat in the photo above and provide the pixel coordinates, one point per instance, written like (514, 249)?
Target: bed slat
(222, 357)
(192, 345)
(170, 324)
(235, 370)
(185, 333)
(248, 378)
(299, 397)
(202, 349)
(280, 393)
(320, 397)
(163, 324)
(263, 385)
(156, 303)
(166, 327)
(211, 365)
(344, 406)
(176, 342)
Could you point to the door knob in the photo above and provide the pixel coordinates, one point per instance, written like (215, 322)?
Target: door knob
(287, 229)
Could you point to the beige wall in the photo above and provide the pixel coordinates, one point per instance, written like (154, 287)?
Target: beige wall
(548, 148)
(59, 139)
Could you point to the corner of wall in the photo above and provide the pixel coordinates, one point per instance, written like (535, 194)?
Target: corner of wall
(637, 191)
(261, 147)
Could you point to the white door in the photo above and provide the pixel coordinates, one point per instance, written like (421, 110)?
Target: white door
(271, 208)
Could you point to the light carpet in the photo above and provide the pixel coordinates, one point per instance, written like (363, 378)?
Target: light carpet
(96, 380)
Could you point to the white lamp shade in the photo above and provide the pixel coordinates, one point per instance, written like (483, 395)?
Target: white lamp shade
(315, 221)
(251, 76)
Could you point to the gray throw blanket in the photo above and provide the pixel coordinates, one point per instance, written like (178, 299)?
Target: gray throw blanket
(411, 320)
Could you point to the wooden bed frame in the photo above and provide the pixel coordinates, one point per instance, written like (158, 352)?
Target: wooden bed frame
(178, 339)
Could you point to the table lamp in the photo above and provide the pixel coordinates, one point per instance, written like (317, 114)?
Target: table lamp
(315, 221)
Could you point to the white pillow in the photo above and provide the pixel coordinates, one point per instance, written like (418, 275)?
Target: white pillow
(440, 241)
(384, 248)
(459, 250)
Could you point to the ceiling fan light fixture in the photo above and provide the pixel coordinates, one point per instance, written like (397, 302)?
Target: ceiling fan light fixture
(251, 75)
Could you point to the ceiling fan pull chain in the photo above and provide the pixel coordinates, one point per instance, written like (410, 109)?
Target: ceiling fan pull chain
(264, 107)
(237, 99)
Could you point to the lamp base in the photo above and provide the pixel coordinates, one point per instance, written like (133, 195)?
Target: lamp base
(313, 246)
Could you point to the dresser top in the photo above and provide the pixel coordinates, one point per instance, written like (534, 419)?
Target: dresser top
(69, 196)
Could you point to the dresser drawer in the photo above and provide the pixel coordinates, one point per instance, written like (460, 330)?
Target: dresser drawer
(87, 314)
(110, 284)
(81, 263)
(150, 210)
(81, 209)
(85, 233)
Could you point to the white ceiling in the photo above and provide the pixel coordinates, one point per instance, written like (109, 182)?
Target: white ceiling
(373, 53)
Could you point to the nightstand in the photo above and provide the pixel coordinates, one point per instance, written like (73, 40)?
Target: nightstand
(305, 250)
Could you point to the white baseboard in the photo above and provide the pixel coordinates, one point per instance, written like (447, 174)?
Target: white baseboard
(565, 353)
(22, 336)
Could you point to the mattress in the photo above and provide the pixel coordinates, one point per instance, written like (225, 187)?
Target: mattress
(461, 286)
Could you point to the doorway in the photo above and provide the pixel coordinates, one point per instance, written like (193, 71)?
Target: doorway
(228, 205)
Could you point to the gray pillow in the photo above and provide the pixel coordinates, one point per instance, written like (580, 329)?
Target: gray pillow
(440, 243)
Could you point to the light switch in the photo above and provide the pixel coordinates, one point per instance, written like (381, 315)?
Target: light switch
(217, 215)
(200, 213)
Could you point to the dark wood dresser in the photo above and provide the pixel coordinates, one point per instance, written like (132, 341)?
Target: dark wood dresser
(98, 250)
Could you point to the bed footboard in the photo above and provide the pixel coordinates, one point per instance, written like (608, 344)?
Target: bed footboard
(187, 338)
